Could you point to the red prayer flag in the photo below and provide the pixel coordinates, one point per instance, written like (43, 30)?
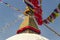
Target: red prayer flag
(34, 2)
(38, 15)
(37, 11)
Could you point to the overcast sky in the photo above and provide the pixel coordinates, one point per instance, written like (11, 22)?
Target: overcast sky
(10, 17)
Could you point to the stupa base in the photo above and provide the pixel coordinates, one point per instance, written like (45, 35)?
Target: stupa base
(27, 36)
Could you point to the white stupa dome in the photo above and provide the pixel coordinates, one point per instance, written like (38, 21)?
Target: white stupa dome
(27, 36)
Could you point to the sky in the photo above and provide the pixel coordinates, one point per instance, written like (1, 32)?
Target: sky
(10, 20)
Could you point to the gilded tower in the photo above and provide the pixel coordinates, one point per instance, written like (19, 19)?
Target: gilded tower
(28, 25)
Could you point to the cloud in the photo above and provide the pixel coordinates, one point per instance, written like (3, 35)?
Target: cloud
(21, 16)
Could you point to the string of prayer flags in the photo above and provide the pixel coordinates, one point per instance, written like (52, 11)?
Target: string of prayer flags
(53, 15)
(10, 6)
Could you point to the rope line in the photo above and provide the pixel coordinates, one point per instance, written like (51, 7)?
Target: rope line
(52, 30)
(10, 6)
(8, 25)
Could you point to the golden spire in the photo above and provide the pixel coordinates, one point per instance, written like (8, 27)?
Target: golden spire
(28, 25)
